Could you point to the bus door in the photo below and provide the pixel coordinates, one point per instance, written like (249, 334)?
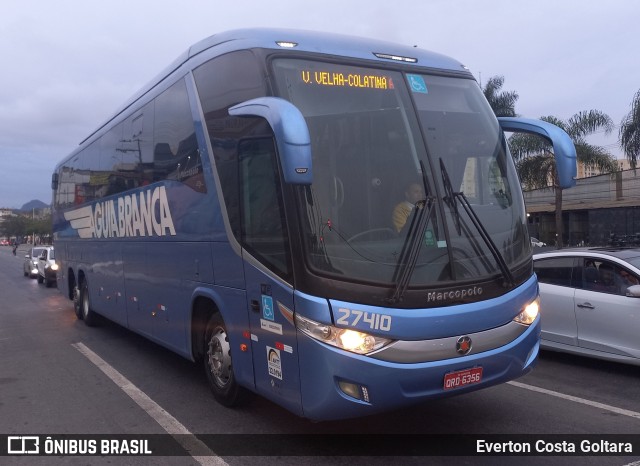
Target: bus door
(267, 266)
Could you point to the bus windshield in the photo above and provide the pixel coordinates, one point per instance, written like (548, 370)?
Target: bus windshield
(389, 147)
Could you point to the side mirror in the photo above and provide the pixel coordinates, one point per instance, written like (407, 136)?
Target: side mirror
(633, 291)
(291, 133)
(563, 148)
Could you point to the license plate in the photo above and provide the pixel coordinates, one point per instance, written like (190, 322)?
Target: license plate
(462, 378)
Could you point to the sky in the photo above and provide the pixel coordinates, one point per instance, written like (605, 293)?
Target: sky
(69, 64)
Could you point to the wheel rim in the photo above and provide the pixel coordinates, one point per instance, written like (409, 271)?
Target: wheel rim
(85, 304)
(219, 357)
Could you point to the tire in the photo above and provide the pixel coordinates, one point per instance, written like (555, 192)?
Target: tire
(40, 279)
(88, 315)
(218, 365)
(76, 302)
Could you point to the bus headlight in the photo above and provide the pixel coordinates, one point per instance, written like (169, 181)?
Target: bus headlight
(343, 338)
(529, 313)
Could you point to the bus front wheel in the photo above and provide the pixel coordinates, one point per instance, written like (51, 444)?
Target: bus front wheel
(218, 365)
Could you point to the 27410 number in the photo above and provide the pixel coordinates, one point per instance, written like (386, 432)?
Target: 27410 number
(351, 318)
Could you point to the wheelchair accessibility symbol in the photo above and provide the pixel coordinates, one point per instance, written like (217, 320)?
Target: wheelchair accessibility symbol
(267, 307)
(417, 84)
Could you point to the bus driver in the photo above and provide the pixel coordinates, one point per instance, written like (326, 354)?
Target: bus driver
(401, 212)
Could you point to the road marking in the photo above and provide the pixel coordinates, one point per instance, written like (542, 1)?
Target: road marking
(199, 451)
(594, 404)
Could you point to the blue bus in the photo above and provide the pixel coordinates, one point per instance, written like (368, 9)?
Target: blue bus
(331, 222)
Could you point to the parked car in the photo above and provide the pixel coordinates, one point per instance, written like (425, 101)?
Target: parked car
(47, 267)
(590, 302)
(30, 265)
(537, 242)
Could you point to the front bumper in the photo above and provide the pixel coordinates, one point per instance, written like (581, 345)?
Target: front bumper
(392, 385)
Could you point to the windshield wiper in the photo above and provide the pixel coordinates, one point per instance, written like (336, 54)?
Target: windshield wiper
(411, 247)
(451, 199)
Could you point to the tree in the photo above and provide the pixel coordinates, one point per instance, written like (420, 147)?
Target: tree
(19, 226)
(41, 228)
(630, 132)
(13, 226)
(536, 164)
(502, 102)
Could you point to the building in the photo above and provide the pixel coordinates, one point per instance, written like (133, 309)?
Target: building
(596, 211)
(586, 171)
(5, 213)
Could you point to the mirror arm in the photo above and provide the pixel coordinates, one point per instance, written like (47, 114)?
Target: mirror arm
(291, 133)
(564, 150)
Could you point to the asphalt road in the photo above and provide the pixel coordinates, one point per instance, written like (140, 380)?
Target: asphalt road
(58, 376)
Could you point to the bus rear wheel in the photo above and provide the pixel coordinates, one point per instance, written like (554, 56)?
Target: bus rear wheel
(88, 315)
(77, 308)
(218, 364)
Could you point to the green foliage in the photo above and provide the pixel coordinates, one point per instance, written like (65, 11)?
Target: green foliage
(534, 155)
(535, 161)
(13, 226)
(20, 226)
(630, 132)
(502, 102)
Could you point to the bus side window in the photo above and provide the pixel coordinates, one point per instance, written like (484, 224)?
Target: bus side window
(263, 223)
(176, 155)
(222, 82)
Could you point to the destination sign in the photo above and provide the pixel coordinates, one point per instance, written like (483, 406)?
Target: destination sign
(338, 79)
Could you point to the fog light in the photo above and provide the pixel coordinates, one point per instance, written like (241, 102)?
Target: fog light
(354, 391)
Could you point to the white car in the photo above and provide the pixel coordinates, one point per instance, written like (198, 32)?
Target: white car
(537, 242)
(30, 265)
(47, 267)
(590, 302)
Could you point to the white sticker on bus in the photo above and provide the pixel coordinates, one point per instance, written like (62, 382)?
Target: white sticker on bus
(272, 327)
(274, 363)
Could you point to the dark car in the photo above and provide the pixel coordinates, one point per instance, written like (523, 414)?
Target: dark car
(590, 302)
(30, 265)
(47, 267)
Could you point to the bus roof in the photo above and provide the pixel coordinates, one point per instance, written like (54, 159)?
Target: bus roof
(305, 41)
(326, 43)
